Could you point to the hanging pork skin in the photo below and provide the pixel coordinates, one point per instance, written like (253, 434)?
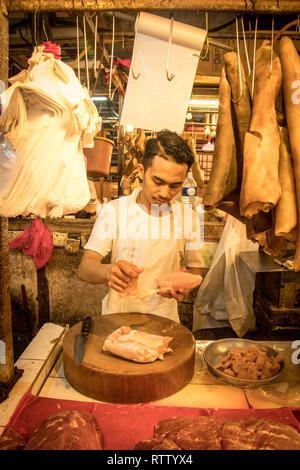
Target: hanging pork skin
(260, 185)
(290, 63)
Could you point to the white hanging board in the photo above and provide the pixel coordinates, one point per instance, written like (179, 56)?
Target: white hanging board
(151, 101)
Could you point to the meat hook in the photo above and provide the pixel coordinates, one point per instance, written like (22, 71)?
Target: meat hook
(133, 52)
(206, 38)
(170, 77)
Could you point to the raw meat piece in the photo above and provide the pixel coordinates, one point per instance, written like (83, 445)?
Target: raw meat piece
(197, 171)
(251, 363)
(218, 433)
(199, 433)
(156, 444)
(241, 108)
(135, 291)
(67, 430)
(223, 173)
(259, 434)
(11, 440)
(260, 185)
(137, 346)
(290, 63)
(166, 426)
(180, 279)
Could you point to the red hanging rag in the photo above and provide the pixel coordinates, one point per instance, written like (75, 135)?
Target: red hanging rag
(36, 240)
(52, 48)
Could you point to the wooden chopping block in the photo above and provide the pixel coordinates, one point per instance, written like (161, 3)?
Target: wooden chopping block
(110, 378)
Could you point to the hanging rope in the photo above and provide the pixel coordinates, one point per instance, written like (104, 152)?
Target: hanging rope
(272, 47)
(78, 53)
(254, 56)
(86, 56)
(111, 58)
(34, 27)
(44, 29)
(95, 46)
(239, 61)
(246, 49)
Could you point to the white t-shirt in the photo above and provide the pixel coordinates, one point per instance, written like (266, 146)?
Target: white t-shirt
(159, 245)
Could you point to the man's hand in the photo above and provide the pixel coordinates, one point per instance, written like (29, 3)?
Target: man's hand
(172, 293)
(121, 273)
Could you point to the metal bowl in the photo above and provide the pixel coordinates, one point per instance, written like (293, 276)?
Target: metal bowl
(216, 350)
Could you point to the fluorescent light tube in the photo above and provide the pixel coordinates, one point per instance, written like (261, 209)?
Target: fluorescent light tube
(204, 102)
(99, 98)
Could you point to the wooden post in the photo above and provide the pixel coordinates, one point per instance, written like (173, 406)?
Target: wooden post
(6, 342)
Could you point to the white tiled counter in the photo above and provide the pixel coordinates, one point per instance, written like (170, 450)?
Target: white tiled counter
(36, 362)
(43, 370)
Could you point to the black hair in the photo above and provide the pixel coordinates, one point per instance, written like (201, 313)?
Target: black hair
(170, 146)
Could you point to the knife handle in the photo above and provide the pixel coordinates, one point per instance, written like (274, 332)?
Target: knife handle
(85, 327)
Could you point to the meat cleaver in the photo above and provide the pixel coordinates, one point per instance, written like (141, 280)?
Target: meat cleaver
(81, 340)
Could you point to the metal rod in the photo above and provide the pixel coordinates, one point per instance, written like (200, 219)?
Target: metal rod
(220, 45)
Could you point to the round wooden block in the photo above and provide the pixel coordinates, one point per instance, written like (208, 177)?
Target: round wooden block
(106, 377)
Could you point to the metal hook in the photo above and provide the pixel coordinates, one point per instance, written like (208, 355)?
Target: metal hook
(206, 38)
(133, 52)
(170, 78)
(135, 76)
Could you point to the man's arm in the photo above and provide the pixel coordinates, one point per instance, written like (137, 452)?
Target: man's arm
(91, 268)
(116, 275)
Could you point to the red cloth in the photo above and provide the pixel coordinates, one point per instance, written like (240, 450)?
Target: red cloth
(125, 425)
(36, 240)
(52, 48)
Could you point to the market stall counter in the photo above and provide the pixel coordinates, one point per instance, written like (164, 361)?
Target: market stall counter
(45, 391)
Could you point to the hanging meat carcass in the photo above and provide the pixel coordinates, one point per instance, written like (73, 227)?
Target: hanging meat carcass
(290, 63)
(286, 209)
(48, 117)
(260, 185)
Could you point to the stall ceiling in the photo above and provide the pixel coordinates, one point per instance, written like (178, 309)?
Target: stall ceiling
(27, 29)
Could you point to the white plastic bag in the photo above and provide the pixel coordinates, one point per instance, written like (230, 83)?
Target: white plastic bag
(225, 297)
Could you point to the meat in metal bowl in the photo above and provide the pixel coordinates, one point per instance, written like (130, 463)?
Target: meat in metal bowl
(218, 350)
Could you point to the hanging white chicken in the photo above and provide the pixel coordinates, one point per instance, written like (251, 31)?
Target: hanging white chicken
(47, 118)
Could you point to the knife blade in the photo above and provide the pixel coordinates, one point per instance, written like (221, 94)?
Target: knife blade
(81, 340)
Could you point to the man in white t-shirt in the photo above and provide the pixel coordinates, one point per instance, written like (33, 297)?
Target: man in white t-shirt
(148, 234)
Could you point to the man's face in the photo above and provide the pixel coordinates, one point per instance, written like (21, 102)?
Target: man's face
(163, 180)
